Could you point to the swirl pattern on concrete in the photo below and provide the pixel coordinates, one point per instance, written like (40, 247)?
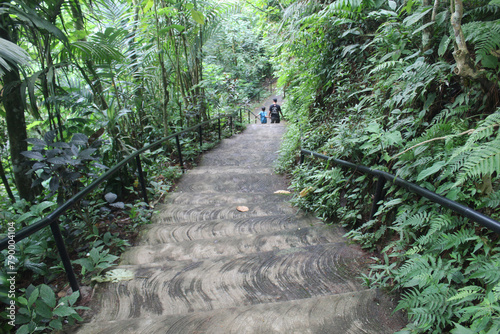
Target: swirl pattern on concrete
(205, 267)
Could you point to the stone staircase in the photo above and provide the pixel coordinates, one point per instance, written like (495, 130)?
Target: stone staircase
(205, 267)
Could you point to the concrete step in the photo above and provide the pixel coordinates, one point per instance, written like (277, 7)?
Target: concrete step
(210, 229)
(360, 312)
(232, 183)
(173, 213)
(237, 159)
(231, 245)
(185, 198)
(225, 170)
(185, 286)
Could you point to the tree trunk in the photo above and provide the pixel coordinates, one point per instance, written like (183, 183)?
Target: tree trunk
(465, 64)
(6, 183)
(429, 31)
(136, 75)
(16, 128)
(164, 79)
(16, 123)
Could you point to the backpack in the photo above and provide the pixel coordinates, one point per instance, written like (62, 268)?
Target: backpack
(274, 111)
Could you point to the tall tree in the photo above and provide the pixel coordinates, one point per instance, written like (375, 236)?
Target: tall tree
(14, 113)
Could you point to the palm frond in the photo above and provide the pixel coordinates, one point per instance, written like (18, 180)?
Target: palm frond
(99, 53)
(11, 56)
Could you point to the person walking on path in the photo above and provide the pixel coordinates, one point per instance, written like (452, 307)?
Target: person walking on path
(263, 117)
(275, 112)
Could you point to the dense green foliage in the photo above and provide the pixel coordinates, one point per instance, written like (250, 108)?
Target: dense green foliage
(379, 83)
(84, 84)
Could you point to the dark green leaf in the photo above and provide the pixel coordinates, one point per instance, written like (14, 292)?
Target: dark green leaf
(64, 311)
(87, 153)
(54, 184)
(100, 166)
(43, 309)
(48, 295)
(56, 324)
(36, 141)
(49, 136)
(60, 145)
(79, 139)
(431, 170)
(58, 161)
(33, 155)
(29, 15)
(33, 297)
(72, 298)
(24, 329)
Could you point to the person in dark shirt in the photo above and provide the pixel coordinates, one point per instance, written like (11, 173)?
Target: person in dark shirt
(275, 112)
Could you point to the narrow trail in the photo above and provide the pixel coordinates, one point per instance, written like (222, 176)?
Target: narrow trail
(205, 267)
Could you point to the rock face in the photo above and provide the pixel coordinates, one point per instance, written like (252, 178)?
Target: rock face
(205, 267)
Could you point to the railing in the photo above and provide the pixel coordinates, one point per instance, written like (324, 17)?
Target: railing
(52, 219)
(249, 112)
(382, 177)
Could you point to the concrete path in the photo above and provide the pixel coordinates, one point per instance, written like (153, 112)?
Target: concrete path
(205, 267)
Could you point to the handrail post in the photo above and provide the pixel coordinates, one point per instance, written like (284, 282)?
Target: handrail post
(141, 179)
(200, 131)
(218, 125)
(241, 116)
(231, 123)
(378, 195)
(248, 116)
(302, 157)
(178, 143)
(63, 253)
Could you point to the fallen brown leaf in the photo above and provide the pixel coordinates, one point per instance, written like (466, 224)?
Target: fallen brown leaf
(305, 191)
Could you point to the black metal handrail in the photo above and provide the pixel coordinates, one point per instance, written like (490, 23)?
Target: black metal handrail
(52, 219)
(382, 177)
(249, 112)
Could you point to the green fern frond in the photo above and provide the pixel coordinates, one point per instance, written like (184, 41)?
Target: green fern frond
(456, 239)
(468, 293)
(488, 273)
(427, 308)
(447, 113)
(486, 10)
(438, 225)
(492, 201)
(386, 66)
(485, 35)
(486, 127)
(484, 160)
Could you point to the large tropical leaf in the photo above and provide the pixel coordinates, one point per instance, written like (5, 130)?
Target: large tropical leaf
(11, 55)
(96, 52)
(31, 18)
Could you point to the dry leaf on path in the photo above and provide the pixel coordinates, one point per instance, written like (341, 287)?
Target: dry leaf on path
(242, 208)
(282, 192)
